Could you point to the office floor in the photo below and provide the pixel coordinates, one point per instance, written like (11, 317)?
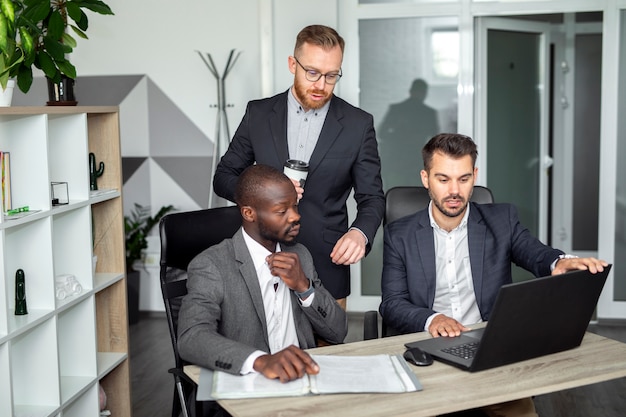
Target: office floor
(153, 388)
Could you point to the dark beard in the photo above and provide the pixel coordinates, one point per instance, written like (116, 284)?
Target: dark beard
(446, 212)
(301, 95)
(269, 235)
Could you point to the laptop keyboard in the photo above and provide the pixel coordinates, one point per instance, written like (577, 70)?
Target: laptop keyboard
(465, 351)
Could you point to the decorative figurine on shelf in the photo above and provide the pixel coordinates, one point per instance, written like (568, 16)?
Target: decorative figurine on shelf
(20, 293)
(93, 172)
(66, 285)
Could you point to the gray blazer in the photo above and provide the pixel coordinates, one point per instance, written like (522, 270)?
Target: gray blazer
(222, 318)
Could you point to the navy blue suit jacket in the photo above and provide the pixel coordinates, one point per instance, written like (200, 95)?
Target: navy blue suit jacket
(345, 157)
(495, 237)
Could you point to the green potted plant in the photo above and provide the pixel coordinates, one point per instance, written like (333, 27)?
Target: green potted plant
(45, 37)
(137, 227)
(11, 48)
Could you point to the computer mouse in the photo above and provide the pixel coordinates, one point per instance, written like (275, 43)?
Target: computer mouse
(418, 357)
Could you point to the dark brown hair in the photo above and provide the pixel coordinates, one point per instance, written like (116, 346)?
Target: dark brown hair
(319, 35)
(450, 144)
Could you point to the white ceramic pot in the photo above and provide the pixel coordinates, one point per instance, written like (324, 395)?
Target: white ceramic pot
(7, 95)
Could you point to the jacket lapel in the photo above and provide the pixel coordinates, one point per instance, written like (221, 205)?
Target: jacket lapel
(278, 127)
(426, 253)
(248, 274)
(476, 232)
(330, 131)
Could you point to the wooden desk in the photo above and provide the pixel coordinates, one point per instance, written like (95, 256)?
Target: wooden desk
(447, 389)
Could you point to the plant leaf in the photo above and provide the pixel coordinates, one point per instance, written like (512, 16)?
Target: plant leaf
(96, 6)
(54, 48)
(48, 66)
(36, 11)
(78, 16)
(68, 40)
(4, 33)
(27, 41)
(56, 25)
(24, 78)
(67, 68)
(6, 7)
(79, 32)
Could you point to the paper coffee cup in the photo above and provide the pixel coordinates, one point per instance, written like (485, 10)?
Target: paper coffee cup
(296, 170)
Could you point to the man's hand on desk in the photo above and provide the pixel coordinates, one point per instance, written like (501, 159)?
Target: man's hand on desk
(443, 325)
(288, 364)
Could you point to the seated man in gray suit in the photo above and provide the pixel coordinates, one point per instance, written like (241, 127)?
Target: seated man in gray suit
(443, 266)
(255, 301)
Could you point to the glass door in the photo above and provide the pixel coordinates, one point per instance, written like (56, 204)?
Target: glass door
(512, 116)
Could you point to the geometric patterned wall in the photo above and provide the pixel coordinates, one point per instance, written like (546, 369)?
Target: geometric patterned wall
(166, 159)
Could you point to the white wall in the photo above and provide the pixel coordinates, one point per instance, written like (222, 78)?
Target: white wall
(160, 38)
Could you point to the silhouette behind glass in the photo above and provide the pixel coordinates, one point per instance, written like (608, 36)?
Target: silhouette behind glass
(405, 129)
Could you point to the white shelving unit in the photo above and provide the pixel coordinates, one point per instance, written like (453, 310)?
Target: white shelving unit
(53, 358)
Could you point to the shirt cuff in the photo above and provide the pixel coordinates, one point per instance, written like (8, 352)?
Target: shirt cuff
(248, 365)
(430, 320)
(308, 301)
(564, 256)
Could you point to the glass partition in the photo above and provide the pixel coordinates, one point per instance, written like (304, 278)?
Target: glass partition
(408, 82)
(619, 272)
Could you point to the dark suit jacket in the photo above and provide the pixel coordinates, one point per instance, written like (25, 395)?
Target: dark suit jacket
(346, 157)
(495, 237)
(222, 318)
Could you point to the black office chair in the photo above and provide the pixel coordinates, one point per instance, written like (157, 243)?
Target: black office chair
(400, 202)
(183, 236)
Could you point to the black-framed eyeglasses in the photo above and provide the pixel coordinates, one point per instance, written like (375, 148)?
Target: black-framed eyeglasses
(313, 75)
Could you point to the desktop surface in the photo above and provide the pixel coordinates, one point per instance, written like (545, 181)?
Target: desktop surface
(446, 388)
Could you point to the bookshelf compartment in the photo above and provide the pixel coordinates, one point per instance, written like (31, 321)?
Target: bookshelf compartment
(85, 405)
(77, 349)
(72, 255)
(28, 247)
(25, 138)
(5, 382)
(34, 369)
(3, 293)
(67, 156)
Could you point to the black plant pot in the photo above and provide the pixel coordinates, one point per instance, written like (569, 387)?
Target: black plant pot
(61, 93)
(132, 292)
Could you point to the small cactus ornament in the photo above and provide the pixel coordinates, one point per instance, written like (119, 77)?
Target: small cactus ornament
(93, 172)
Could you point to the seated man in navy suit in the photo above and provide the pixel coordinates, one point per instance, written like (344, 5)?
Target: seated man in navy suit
(443, 266)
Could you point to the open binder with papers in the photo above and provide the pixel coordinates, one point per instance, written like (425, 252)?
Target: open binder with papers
(338, 374)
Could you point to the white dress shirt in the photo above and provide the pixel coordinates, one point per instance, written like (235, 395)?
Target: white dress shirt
(454, 292)
(281, 327)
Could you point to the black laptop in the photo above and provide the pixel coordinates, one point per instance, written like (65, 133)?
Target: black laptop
(529, 319)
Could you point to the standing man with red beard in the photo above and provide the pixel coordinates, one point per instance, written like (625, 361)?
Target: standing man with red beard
(309, 123)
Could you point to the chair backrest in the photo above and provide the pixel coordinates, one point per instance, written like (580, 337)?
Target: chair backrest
(402, 201)
(183, 236)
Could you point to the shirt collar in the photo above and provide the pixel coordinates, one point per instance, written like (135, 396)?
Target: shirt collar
(295, 105)
(434, 224)
(257, 251)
